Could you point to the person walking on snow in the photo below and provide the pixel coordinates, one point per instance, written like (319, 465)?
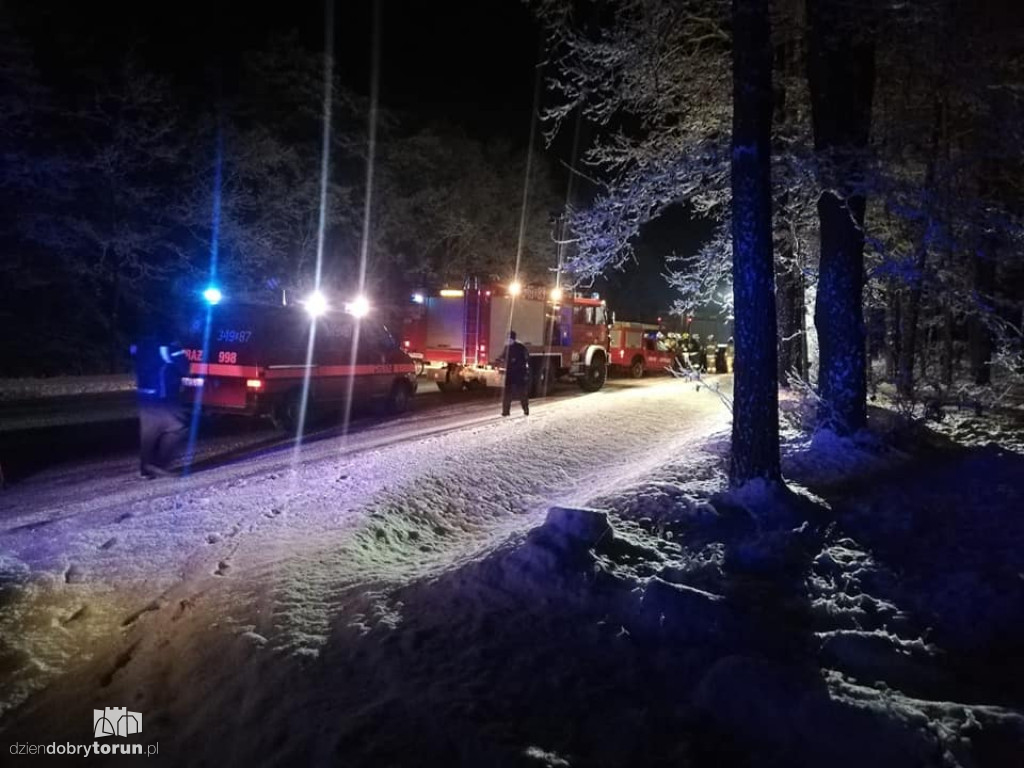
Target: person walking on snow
(162, 425)
(517, 376)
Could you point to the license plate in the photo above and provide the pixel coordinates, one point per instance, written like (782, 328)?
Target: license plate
(192, 381)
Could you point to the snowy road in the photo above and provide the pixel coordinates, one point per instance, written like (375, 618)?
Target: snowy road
(42, 433)
(97, 568)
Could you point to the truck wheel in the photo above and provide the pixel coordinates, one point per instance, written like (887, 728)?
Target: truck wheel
(286, 415)
(452, 380)
(594, 377)
(636, 370)
(398, 399)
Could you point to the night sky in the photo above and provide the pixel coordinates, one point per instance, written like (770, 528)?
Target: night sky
(468, 63)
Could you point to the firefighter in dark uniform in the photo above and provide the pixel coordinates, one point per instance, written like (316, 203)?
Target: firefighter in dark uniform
(163, 428)
(721, 365)
(698, 355)
(517, 376)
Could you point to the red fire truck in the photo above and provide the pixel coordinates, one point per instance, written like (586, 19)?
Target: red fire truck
(257, 358)
(458, 335)
(634, 347)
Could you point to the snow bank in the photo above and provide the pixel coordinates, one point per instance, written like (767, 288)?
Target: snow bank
(954, 531)
(907, 575)
(823, 458)
(1003, 428)
(793, 715)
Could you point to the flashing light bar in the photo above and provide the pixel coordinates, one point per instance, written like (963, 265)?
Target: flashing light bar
(449, 293)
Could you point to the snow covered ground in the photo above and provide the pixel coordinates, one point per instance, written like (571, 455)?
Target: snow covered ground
(404, 596)
(84, 551)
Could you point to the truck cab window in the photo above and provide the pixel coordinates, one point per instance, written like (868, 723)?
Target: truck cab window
(334, 337)
(584, 316)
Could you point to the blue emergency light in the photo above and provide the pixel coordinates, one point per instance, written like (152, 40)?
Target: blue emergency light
(212, 295)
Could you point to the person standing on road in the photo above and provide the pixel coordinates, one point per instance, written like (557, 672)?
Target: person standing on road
(517, 376)
(163, 428)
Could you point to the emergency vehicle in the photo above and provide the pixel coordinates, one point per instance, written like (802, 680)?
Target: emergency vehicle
(458, 335)
(257, 357)
(634, 347)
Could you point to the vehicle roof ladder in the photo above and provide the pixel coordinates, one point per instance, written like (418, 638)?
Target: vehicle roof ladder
(471, 321)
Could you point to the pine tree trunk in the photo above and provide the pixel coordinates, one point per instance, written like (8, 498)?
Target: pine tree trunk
(905, 381)
(925, 358)
(911, 317)
(979, 337)
(838, 315)
(947, 348)
(841, 75)
(790, 299)
(892, 329)
(755, 427)
(114, 339)
(790, 295)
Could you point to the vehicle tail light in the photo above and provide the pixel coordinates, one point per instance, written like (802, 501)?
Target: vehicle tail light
(254, 384)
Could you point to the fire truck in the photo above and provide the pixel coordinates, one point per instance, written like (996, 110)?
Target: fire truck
(634, 347)
(256, 359)
(458, 335)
